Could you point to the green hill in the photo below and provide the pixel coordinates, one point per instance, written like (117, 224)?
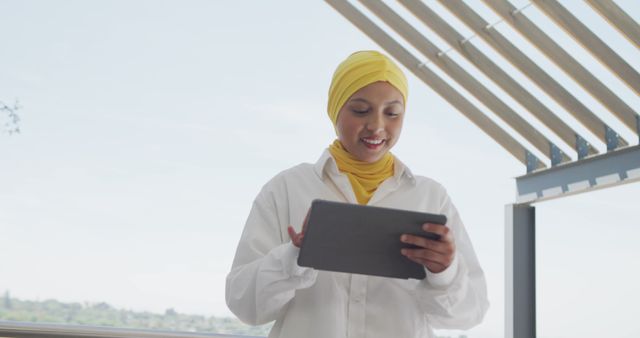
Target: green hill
(103, 314)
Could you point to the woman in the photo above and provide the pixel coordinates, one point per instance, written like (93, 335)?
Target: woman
(367, 101)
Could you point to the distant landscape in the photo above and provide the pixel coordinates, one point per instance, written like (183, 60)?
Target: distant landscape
(103, 314)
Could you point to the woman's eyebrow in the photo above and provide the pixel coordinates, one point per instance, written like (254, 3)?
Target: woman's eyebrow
(388, 103)
(358, 99)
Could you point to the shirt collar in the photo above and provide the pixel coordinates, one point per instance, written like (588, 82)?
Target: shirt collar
(326, 164)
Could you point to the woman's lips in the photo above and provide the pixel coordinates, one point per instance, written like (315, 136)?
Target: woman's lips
(373, 143)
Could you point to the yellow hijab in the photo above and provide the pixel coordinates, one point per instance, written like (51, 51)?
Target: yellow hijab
(357, 71)
(365, 177)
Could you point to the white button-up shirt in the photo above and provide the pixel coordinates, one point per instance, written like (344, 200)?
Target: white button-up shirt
(266, 284)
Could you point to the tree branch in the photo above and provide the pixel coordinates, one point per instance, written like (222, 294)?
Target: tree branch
(11, 126)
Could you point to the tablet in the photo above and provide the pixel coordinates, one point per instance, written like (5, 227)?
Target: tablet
(362, 239)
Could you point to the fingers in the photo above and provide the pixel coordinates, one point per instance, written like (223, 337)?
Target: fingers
(443, 248)
(442, 230)
(435, 255)
(426, 256)
(431, 265)
(433, 261)
(292, 233)
(425, 243)
(444, 245)
(296, 238)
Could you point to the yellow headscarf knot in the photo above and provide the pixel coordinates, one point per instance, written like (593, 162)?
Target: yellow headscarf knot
(358, 70)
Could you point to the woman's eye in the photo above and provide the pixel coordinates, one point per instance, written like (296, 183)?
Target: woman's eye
(360, 112)
(393, 114)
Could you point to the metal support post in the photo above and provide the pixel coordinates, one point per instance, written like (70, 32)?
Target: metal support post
(520, 271)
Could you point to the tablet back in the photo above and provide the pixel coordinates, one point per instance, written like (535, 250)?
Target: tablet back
(363, 239)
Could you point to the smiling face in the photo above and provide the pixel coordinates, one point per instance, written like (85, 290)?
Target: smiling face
(370, 122)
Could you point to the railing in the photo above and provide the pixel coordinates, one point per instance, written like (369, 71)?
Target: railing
(39, 330)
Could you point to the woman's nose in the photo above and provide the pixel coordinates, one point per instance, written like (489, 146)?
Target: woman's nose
(375, 123)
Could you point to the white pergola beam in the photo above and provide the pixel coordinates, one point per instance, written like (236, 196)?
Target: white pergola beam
(434, 81)
(518, 59)
(469, 51)
(457, 73)
(591, 42)
(521, 23)
(618, 19)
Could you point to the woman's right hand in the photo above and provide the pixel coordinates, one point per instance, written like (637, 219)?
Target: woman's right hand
(296, 238)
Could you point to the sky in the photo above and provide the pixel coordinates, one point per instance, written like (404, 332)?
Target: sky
(148, 127)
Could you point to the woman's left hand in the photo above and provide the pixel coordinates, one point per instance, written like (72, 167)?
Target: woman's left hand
(296, 238)
(435, 255)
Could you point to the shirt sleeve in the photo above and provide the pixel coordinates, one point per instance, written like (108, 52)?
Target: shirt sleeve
(455, 298)
(265, 273)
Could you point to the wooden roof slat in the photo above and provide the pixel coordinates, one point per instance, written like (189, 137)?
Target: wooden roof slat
(527, 28)
(457, 73)
(618, 19)
(517, 58)
(495, 73)
(432, 80)
(591, 42)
